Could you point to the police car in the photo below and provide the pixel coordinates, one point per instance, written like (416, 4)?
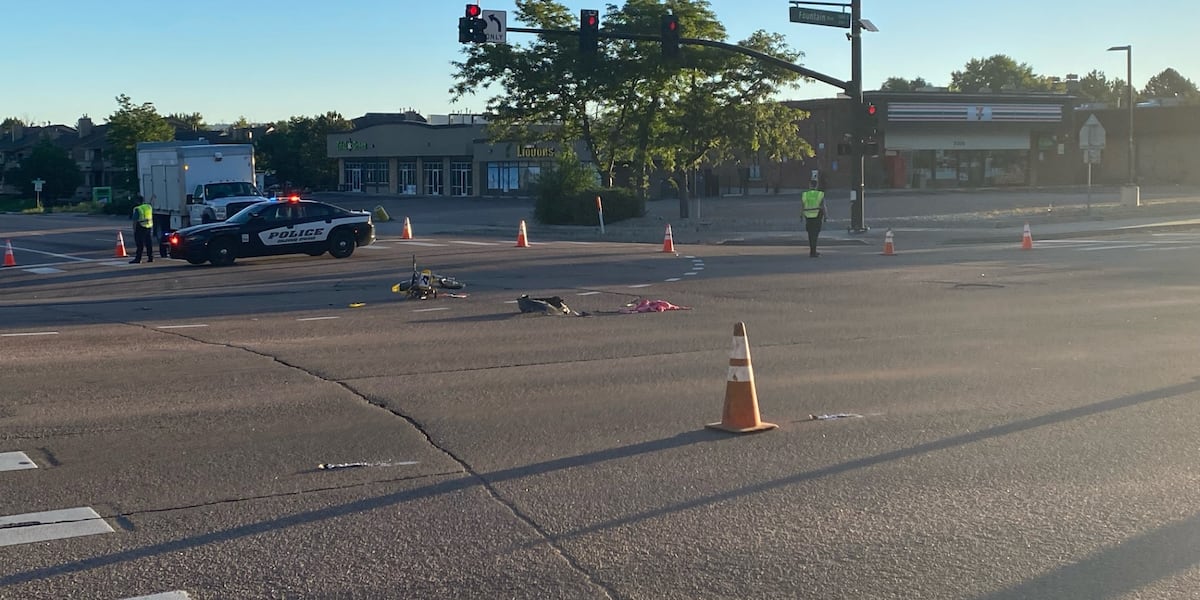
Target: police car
(290, 226)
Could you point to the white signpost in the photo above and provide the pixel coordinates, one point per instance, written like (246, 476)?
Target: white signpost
(497, 25)
(37, 191)
(1091, 141)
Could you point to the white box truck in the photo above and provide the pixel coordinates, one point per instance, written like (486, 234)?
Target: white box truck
(189, 183)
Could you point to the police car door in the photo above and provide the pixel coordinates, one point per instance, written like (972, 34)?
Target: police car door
(273, 231)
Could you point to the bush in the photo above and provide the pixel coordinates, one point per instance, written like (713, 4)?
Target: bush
(122, 206)
(566, 195)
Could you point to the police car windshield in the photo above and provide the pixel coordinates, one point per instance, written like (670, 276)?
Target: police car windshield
(243, 216)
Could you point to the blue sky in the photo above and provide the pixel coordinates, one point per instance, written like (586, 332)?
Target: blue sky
(269, 60)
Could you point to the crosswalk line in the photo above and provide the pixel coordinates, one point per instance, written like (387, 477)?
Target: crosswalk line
(175, 595)
(15, 461)
(43, 270)
(51, 525)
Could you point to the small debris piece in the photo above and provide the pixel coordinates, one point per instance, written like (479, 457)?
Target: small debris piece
(834, 416)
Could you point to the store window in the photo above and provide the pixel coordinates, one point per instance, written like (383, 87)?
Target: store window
(460, 179)
(406, 178)
(512, 177)
(375, 172)
(434, 185)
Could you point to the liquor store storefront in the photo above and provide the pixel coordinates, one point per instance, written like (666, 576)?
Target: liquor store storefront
(418, 159)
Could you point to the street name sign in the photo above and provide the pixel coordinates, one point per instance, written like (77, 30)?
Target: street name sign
(812, 16)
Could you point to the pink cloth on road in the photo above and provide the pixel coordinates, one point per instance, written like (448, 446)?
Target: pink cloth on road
(645, 306)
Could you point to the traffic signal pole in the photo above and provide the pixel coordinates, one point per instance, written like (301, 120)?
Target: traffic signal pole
(858, 185)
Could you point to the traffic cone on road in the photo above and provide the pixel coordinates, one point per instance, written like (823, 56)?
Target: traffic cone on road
(668, 241)
(1027, 239)
(121, 246)
(9, 259)
(740, 414)
(407, 233)
(522, 238)
(889, 247)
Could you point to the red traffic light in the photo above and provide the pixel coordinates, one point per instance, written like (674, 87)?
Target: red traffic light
(592, 20)
(473, 11)
(672, 25)
(871, 110)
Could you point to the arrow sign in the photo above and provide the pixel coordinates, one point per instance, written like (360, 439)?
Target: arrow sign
(497, 25)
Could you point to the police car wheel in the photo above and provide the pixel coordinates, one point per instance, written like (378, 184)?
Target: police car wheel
(341, 244)
(220, 252)
(197, 260)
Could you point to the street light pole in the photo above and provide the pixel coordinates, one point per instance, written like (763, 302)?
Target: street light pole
(858, 185)
(1128, 50)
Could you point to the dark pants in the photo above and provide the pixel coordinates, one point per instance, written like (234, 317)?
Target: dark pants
(814, 230)
(144, 238)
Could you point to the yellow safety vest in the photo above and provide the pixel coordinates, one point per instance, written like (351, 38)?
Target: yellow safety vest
(145, 215)
(812, 203)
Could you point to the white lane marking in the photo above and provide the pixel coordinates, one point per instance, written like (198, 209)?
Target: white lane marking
(374, 247)
(1166, 248)
(430, 309)
(689, 257)
(671, 279)
(28, 333)
(118, 263)
(15, 461)
(587, 293)
(43, 270)
(641, 285)
(51, 525)
(317, 318)
(55, 255)
(176, 595)
(689, 274)
(578, 242)
(412, 243)
(510, 301)
(473, 243)
(1115, 247)
(193, 326)
(697, 267)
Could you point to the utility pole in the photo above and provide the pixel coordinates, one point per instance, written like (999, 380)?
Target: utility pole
(857, 162)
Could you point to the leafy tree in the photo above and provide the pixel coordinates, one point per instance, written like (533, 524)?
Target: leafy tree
(241, 123)
(1096, 87)
(628, 104)
(998, 73)
(1170, 84)
(129, 125)
(192, 122)
(51, 164)
(900, 84)
(296, 150)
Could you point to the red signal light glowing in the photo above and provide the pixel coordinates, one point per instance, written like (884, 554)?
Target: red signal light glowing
(473, 10)
(673, 25)
(591, 20)
(871, 110)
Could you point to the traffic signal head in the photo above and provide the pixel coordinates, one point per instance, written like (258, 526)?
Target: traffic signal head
(670, 36)
(589, 31)
(472, 27)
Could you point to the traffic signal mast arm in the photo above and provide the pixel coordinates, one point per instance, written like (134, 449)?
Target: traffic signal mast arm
(649, 37)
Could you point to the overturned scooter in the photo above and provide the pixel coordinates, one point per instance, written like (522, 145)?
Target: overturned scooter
(424, 284)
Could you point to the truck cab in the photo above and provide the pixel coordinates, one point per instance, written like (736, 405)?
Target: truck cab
(217, 201)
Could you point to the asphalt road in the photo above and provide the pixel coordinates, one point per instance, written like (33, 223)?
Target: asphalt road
(1020, 424)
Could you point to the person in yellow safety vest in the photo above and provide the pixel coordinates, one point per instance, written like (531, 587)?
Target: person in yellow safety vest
(143, 226)
(814, 215)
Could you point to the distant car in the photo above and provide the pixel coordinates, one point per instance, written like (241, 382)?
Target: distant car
(289, 226)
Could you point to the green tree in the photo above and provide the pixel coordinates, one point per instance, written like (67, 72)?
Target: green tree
(191, 122)
(900, 84)
(129, 125)
(1170, 84)
(296, 150)
(998, 73)
(51, 164)
(629, 104)
(1096, 87)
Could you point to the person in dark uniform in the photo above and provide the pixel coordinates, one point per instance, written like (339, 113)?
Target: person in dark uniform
(143, 228)
(814, 215)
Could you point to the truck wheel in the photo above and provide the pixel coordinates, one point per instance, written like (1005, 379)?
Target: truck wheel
(341, 244)
(221, 252)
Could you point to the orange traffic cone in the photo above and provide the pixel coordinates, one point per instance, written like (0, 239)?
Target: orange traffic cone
(741, 401)
(889, 247)
(121, 246)
(668, 241)
(522, 238)
(1027, 239)
(9, 260)
(407, 234)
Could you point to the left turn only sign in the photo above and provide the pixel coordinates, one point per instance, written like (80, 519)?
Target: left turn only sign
(497, 25)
